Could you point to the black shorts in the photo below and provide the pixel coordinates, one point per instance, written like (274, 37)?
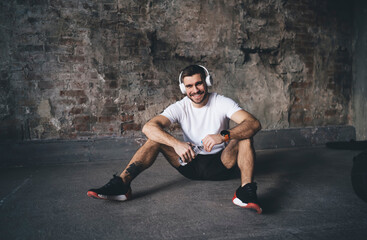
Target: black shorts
(208, 167)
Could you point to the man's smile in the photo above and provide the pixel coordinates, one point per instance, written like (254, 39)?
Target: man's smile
(196, 97)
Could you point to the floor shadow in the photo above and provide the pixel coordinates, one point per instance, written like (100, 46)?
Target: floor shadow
(179, 181)
(285, 167)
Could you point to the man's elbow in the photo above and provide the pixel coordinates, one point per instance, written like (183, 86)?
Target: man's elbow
(145, 128)
(257, 126)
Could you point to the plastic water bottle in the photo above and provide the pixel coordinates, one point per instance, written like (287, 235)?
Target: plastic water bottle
(197, 149)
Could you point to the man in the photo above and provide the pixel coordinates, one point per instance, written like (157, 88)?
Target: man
(204, 119)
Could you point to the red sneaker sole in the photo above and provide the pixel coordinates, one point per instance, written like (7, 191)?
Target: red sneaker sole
(96, 196)
(93, 195)
(241, 204)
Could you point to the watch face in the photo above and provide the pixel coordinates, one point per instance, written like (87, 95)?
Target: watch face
(225, 134)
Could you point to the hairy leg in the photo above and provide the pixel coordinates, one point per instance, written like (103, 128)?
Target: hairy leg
(145, 157)
(246, 160)
(242, 153)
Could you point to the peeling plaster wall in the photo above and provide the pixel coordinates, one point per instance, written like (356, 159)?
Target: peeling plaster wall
(360, 70)
(88, 68)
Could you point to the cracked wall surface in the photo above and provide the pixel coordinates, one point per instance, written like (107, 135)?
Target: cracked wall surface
(88, 68)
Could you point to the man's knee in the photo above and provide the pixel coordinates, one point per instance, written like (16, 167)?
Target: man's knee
(167, 151)
(246, 144)
(153, 145)
(229, 154)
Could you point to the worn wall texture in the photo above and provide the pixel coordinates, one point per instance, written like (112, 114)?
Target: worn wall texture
(88, 68)
(359, 101)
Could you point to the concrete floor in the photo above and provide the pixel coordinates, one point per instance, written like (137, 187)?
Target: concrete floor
(306, 193)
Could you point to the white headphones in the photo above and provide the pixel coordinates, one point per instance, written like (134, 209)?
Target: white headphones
(208, 80)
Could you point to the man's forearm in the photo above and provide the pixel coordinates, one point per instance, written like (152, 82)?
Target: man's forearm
(156, 133)
(245, 130)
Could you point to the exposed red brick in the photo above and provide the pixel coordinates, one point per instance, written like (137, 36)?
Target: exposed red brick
(113, 84)
(82, 100)
(130, 126)
(81, 119)
(127, 118)
(301, 84)
(71, 58)
(307, 120)
(330, 112)
(111, 92)
(72, 93)
(104, 119)
(84, 119)
(107, 111)
(76, 110)
(127, 107)
(296, 119)
(83, 127)
(298, 107)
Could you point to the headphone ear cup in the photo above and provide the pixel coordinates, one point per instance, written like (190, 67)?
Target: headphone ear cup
(181, 85)
(182, 88)
(208, 81)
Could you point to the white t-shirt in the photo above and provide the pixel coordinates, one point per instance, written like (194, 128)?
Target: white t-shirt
(197, 123)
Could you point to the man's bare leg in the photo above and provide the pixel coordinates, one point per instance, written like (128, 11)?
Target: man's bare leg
(118, 188)
(245, 161)
(242, 153)
(145, 157)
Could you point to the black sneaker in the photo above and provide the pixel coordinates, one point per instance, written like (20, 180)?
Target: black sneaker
(115, 189)
(246, 197)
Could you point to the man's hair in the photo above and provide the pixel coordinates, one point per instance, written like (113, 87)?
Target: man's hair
(192, 70)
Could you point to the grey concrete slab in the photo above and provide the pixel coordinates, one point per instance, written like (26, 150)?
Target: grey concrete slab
(105, 149)
(63, 151)
(306, 193)
(302, 137)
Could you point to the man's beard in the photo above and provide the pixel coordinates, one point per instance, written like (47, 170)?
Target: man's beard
(202, 100)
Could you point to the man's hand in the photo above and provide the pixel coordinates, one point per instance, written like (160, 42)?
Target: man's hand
(184, 150)
(210, 140)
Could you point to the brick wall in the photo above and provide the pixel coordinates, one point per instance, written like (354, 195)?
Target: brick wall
(79, 69)
(322, 33)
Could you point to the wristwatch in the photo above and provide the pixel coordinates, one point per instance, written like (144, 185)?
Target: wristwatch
(226, 135)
